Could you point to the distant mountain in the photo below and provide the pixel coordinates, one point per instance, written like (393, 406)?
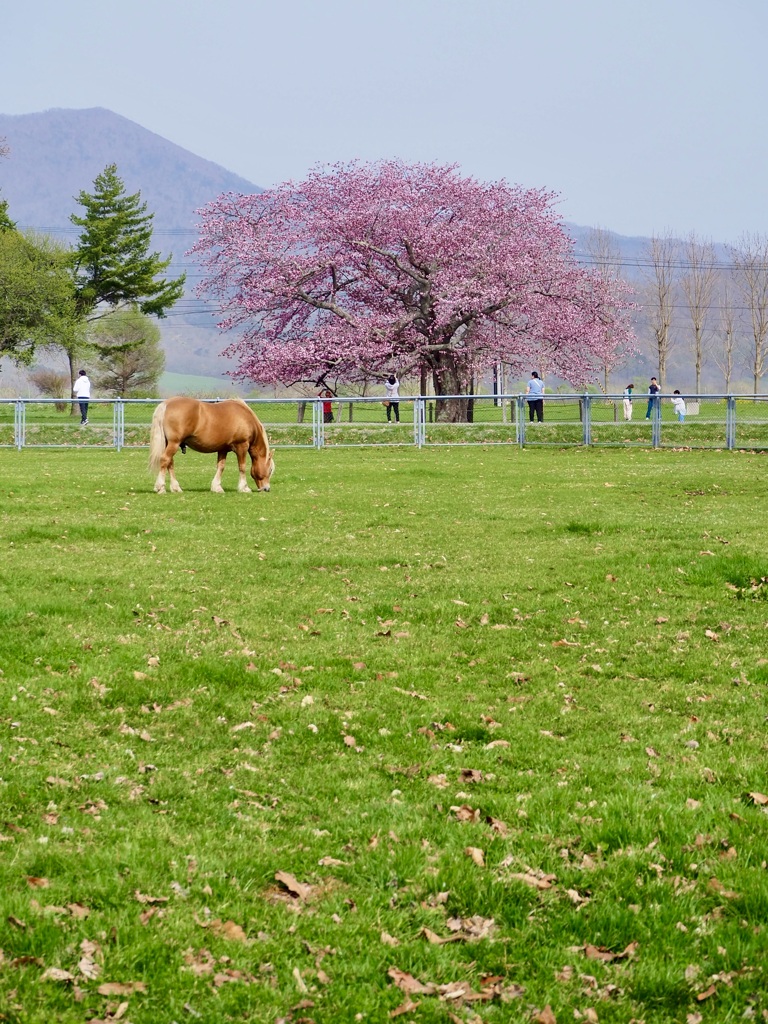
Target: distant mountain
(57, 154)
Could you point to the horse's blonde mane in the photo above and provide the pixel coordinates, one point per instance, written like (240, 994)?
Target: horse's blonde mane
(259, 425)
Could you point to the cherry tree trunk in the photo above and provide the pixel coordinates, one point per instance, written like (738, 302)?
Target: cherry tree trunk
(449, 377)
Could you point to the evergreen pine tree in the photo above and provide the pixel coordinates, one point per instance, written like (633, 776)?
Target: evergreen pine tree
(112, 262)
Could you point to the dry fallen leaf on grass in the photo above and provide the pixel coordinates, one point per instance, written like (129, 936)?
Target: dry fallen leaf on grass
(607, 955)
(546, 1016)
(407, 1007)
(301, 890)
(228, 930)
(457, 993)
(89, 968)
(472, 929)
(534, 880)
(715, 885)
(475, 854)
(121, 988)
(466, 813)
(56, 974)
(497, 825)
(706, 994)
(151, 900)
(439, 940)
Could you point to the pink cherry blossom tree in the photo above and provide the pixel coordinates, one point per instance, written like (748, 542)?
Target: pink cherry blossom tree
(367, 268)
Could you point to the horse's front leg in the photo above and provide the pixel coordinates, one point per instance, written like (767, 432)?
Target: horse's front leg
(221, 459)
(241, 451)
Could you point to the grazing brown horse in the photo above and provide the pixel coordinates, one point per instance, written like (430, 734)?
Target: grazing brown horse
(220, 427)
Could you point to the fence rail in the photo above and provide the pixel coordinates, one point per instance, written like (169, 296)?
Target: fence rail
(711, 421)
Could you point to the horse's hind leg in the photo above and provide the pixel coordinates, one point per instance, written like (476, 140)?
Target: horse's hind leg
(241, 451)
(175, 488)
(166, 466)
(221, 460)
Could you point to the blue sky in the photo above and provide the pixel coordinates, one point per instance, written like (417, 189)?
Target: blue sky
(645, 117)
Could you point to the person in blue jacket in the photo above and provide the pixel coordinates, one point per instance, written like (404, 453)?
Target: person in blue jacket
(653, 390)
(535, 397)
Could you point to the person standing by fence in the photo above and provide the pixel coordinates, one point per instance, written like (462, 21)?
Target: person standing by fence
(628, 401)
(535, 393)
(82, 392)
(392, 386)
(653, 390)
(327, 405)
(678, 404)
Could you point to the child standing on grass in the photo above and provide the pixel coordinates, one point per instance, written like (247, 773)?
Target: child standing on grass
(327, 405)
(678, 404)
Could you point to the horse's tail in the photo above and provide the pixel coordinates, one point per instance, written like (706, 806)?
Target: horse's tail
(157, 441)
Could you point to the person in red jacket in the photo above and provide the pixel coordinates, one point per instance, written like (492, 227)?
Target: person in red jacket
(327, 405)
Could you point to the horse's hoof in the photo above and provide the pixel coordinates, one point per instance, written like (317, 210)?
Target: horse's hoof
(217, 490)
(244, 490)
(159, 490)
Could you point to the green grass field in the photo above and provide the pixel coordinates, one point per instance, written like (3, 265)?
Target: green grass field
(470, 735)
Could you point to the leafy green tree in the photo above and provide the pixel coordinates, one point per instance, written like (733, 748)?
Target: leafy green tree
(37, 302)
(6, 224)
(112, 262)
(130, 358)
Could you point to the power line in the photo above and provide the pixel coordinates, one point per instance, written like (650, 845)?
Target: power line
(590, 259)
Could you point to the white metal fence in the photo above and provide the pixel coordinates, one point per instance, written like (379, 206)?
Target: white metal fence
(711, 421)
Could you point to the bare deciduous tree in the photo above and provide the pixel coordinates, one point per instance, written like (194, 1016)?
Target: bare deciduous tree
(725, 351)
(663, 260)
(698, 283)
(750, 259)
(605, 256)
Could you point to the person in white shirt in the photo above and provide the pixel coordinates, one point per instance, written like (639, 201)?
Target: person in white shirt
(392, 386)
(628, 401)
(678, 404)
(82, 392)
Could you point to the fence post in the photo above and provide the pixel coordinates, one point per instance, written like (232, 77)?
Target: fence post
(656, 421)
(419, 421)
(520, 415)
(730, 423)
(586, 425)
(118, 423)
(19, 424)
(318, 423)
